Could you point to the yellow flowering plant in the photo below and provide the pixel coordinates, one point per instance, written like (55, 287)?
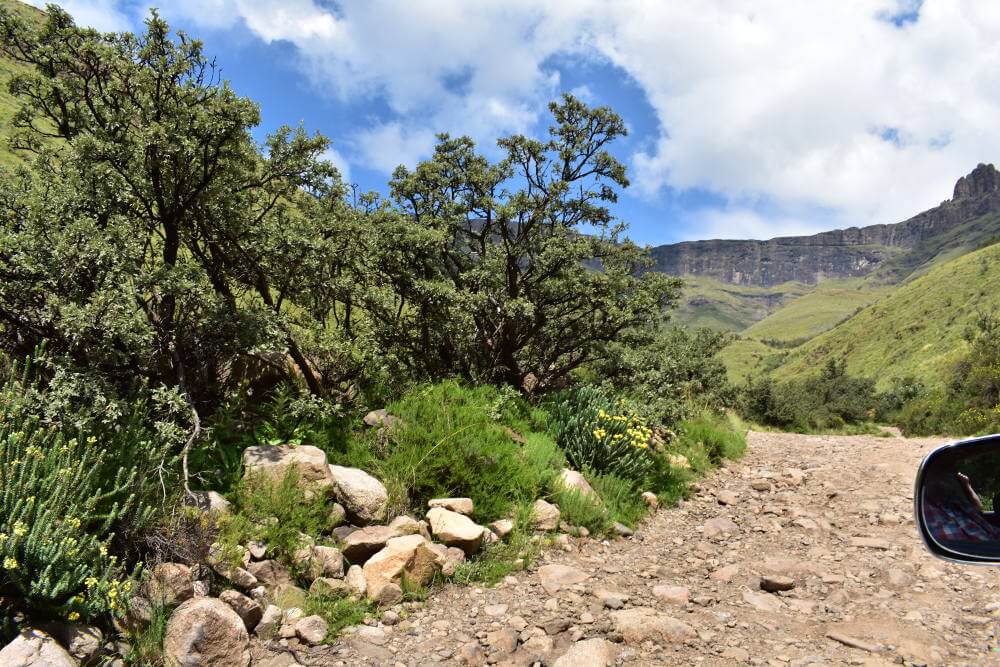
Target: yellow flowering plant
(601, 434)
(56, 517)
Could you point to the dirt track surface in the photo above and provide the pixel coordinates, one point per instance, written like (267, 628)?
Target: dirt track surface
(833, 514)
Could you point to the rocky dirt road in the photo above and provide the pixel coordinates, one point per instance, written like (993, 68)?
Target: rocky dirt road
(828, 518)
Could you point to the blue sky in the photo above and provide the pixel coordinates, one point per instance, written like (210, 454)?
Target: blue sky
(747, 119)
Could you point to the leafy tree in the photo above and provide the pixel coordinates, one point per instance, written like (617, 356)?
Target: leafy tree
(152, 240)
(515, 271)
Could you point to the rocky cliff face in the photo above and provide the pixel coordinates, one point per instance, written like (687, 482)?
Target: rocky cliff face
(842, 253)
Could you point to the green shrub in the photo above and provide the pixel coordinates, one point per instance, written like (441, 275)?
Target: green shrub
(581, 509)
(339, 612)
(825, 401)
(277, 513)
(601, 434)
(499, 559)
(715, 434)
(970, 403)
(459, 441)
(621, 497)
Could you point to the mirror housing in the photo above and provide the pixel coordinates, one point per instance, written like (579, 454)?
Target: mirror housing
(957, 500)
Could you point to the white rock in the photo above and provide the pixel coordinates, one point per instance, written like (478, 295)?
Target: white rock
(274, 461)
(355, 579)
(34, 648)
(410, 556)
(545, 515)
(502, 527)
(455, 530)
(640, 624)
(364, 497)
(589, 653)
(555, 577)
(460, 505)
(571, 479)
(312, 629)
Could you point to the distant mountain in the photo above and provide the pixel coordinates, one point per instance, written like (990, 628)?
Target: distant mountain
(891, 250)
(914, 329)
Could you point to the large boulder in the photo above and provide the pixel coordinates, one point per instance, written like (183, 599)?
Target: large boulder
(362, 544)
(382, 418)
(34, 648)
(206, 632)
(248, 610)
(410, 556)
(460, 505)
(455, 530)
(170, 584)
(641, 624)
(274, 461)
(83, 642)
(270, 573)
(545, 515)
(212, 502)
(572, 480)
(364, 497)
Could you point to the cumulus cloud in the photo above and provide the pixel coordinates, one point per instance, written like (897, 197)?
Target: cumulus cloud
(337, 159)
(104, 15)
(866, 110)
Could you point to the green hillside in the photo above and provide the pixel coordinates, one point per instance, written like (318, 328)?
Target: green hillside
(9, 105)
(915, 330)
(718, 305)
(809, 315)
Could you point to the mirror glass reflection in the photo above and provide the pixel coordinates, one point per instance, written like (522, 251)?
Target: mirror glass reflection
(960, 499)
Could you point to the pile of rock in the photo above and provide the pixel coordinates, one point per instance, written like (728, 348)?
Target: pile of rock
(366, 558)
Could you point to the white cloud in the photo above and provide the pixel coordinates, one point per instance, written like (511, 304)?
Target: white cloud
(337, 159)
(760, 100)
(101, 14)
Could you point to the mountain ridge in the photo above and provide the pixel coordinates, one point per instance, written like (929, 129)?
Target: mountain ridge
(841, 253)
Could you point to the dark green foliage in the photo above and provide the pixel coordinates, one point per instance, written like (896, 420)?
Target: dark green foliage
(678, 369)
(831, 399)
(457, 440)
(499, 559)
(970, 403)
(620, 501)
(490, 276)
(715, 435)
(600, 433)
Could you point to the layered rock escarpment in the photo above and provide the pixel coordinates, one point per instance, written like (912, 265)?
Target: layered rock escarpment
(841, 253)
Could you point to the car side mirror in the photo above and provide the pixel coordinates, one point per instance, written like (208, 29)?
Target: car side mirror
(957, 500)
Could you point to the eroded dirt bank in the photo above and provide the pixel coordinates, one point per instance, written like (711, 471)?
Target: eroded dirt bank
(829, 516)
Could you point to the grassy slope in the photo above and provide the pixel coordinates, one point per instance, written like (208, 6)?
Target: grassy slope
(8, 104)
(811, 314)
(711, 303)
(917, 329)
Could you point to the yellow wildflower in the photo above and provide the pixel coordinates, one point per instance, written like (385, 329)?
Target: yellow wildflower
(20, 529)
(9, 563)
(73, 616)
(90, 582)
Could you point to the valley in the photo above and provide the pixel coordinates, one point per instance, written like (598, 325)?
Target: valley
(892, 299)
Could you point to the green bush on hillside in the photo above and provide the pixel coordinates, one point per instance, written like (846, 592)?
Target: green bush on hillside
(464, 441)
(829, 400)
(970, 403)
